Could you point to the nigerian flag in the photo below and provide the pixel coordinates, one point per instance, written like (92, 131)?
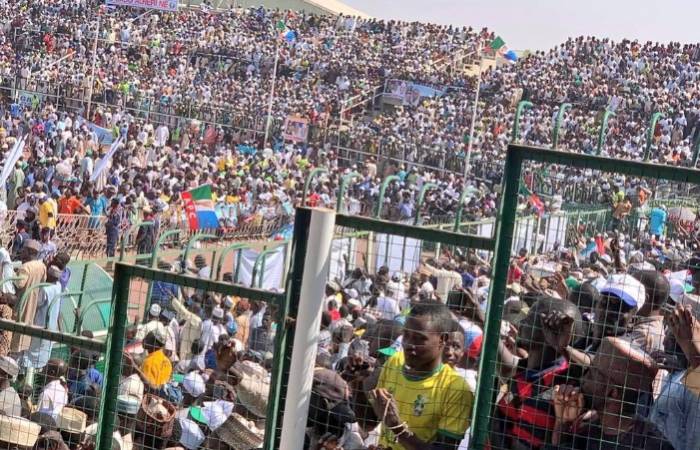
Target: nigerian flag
(497, 43)
(199, 207)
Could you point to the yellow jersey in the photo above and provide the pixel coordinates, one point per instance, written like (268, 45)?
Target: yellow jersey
(440, 403)
(44, 219)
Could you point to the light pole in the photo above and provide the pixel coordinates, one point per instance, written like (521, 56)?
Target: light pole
(468, 157)
(268, 124)
(94, 64)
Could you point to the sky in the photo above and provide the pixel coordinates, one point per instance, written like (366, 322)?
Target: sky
(542, 24)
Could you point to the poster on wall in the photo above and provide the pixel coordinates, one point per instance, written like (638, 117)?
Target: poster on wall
(409, 93)
(296, 129)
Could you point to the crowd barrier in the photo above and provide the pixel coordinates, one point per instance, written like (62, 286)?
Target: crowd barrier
(84, 237)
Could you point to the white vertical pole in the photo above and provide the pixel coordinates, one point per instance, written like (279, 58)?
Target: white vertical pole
(92, 70)
(313, 282)
(467, 160)
(272, 95)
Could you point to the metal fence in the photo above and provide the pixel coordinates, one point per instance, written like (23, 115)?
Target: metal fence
(385, 267)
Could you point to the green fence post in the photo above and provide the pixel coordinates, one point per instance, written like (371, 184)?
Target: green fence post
(505, 226)
(259, 266)
(460, 208)
(603, 132)
(122, 249)
(224, 254)
(382, 191)
(194, 239)
(557, 124)
(78, 323)
(113, 360)
(516, 121)
(25, 295)
(650, 134)
(343, 187)
(313, 174)
(159, 243)
(285, 331)
(421, 198)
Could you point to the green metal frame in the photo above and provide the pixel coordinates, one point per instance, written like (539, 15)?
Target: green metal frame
(382, 192)
(343, 187)
(421, 199)
(194, 239)
(557, 124)
(603, 130)
(307, 183)
(505, 225)
(238, 247)
(259, 266)
(114, 347)
(25, 295)
(515, 134)
(156, 248)
(650, 134)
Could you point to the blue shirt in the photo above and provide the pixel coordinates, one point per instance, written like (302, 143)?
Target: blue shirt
(676, 414)
(97, 205)
(657, 221)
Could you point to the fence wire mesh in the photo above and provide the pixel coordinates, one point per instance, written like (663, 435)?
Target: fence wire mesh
(569, 329)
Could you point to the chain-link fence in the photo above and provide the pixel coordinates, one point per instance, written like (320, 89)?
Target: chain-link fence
(584, 340)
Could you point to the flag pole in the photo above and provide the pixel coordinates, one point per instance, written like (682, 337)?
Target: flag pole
(468, 158)
(272, 95)
(92, 70)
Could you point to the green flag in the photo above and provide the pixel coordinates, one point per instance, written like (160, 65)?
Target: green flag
(497, 43)
(281, 25)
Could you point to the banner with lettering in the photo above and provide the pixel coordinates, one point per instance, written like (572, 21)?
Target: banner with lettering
(162, 5)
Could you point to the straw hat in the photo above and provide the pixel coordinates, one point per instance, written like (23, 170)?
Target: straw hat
(71, 420)
(254, 387)
(239, 433)
(18, 431)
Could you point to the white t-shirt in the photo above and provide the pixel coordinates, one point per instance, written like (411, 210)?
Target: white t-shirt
(387, 307)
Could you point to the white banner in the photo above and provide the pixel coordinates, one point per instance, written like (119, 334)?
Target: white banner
(341, 248)
(102, 165)
(397, 253)
(12, 159)
(272, 270)
(162, 5)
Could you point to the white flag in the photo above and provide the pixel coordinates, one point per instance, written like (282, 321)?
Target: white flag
(103, 162)
(12, 159)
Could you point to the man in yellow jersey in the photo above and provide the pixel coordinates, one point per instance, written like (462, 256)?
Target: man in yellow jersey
(421, 402)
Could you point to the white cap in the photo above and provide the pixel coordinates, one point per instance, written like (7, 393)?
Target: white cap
(191, 436)
(217, 412)
(627, 288)
(155, 310)
(194, 384)
(218, 312)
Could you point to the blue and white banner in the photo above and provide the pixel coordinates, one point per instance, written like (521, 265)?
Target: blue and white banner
(410, 93)
(162, 5)
(102, 165)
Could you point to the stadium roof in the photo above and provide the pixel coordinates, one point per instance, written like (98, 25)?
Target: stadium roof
(332, 7)
(336, 7)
